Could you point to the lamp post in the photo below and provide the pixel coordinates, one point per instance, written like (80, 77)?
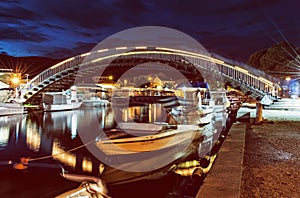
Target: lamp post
(15, 79)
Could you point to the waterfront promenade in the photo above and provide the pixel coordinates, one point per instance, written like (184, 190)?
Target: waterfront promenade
(258, 160)
(224, 180)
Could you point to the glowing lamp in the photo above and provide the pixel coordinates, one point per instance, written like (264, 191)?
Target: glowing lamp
(15, 80)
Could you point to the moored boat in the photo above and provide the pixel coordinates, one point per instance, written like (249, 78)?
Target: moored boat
(11, 108)
(65, 104)
(195, 107)
(147, 140)
(59, 101)
(154, 132)
(90, 187)
(93, 95)
(146, 133)
(132, 138)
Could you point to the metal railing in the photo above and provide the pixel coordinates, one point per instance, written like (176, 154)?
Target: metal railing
(158, 53)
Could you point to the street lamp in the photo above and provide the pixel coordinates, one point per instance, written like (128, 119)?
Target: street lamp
(287, 85)
(15, 80)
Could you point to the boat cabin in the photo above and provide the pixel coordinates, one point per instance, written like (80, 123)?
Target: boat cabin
(54, 98)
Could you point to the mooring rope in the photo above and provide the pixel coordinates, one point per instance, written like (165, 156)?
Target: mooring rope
(23, 164)
(73, 149)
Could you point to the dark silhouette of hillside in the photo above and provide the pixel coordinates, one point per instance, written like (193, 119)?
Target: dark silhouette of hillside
(31, 65)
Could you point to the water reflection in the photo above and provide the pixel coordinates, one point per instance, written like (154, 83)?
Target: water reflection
(51, 136)
(43, 135)
(4, 136)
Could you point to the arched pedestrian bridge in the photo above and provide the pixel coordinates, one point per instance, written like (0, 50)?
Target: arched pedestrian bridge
(121, 59)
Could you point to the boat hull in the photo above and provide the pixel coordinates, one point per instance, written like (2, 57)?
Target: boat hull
(61, 107)
(184, 134)
(11, 109)
(145, 166)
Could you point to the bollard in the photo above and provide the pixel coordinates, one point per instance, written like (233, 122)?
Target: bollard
(259, 108)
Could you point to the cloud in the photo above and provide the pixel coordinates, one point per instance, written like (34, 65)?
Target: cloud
(19, 34)
(60, 52)
(86, 14)
(67, 28)
(131, 11)
(53, 26)
(15, 11)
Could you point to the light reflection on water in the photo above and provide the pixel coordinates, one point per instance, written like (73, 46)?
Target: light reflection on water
(49, 133)
(40, 134)
(4, 135)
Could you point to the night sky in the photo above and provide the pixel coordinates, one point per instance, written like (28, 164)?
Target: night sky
(64, 28)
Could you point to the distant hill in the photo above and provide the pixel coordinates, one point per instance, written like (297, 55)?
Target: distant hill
(31, 65)
(278, 60)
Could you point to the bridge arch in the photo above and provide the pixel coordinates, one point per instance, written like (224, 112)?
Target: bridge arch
(63, 75)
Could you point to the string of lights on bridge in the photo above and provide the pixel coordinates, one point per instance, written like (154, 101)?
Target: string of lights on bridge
(226, 69)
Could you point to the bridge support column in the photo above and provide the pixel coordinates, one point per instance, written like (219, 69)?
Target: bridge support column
(259, 109)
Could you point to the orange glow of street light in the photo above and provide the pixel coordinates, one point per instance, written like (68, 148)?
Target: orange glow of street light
(15, 80)
(288, 78)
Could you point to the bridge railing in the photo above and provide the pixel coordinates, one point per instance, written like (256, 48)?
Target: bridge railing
(231, 71)
(5, 70)
(55, 69)
(243, 76)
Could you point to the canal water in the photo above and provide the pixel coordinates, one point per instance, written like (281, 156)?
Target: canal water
(48, 139)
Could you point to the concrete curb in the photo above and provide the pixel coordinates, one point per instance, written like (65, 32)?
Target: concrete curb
(224, 179)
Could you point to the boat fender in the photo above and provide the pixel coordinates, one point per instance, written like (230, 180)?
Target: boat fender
(197, 173)
(23, 164)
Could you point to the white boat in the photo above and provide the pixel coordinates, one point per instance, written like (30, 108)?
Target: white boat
(137, 147)
(200, 116)
(130, 138)
(90, 187)
(61, 107)
(93, 95)
(149, 154)
(149, 135)
(196, 107)
(59, 101)
(11, 108)
(146, 165)
(236, 99)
